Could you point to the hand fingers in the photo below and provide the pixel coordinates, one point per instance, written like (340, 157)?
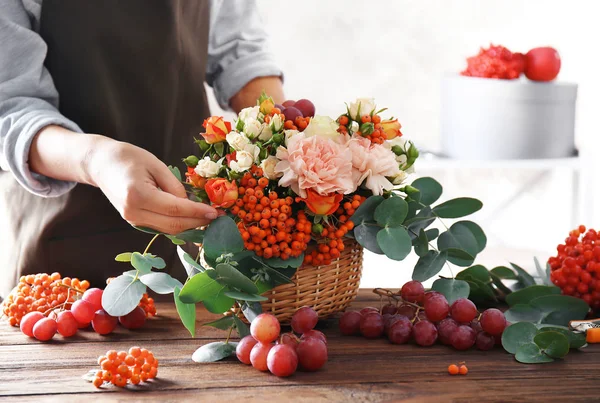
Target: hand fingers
(167, 204)
(166, 180)
(166, 224)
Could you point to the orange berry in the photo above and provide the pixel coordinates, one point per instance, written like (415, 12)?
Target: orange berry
(98, 382)
(264, 223)
(453, 369)
(463, 370)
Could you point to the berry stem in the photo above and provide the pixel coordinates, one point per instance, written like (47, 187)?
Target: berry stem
(229, 335)
(150, 243)
(70, 288)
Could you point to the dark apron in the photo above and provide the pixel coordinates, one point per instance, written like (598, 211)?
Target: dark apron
(131, 70)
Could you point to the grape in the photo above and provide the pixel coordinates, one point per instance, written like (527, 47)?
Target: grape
(371, 325)
(485, 341)
(463, 310)
(430, 294)
(306, 107)
(475, 325)
(493, 321)
(134, 319)
(446, 329)
(389, 309)
(280, 107)
(94, 297)
(66, 323)
(282, 360)
(83, 311)
(304, 319)
(400, 331)
(258, 355)
(407, 310)
(388, 322)
(29, 321)
(350, 323)
(436, 308)
(103, 323)
(44, 329)
(463, 337)
(288, 103)
(412, 291)
(424, 333)
(312, 354)
(290, 339)
(291, 113)
(314, 334)
(265, 328)
(368, 309)
(242, 351)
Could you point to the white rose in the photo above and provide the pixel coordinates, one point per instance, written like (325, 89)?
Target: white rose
(268, 167)
(276, 123)
(252, 128)
(401, 177)
(354, 127)
(238, 141)
(207, 168)
(322, 126)
(361, 107)
(249, 113)
(265, 133)
(243, 162)
(396, 141)
(289, 134)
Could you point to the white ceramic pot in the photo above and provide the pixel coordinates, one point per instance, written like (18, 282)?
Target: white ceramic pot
(484, 119)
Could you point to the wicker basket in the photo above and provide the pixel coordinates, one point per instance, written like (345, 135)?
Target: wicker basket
(327, 289)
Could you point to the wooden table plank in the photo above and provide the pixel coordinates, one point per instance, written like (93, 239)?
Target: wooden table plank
(358, 369)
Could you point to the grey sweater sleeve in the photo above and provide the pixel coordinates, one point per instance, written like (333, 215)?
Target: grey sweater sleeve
(28, 99)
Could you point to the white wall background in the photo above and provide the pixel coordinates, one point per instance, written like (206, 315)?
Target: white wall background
(397, 51)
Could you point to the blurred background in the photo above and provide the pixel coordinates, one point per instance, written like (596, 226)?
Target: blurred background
(397, 51)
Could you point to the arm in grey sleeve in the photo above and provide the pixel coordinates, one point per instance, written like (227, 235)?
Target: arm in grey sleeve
(28, 99)
(237, 48)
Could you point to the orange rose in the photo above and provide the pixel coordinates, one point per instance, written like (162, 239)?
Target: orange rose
(196, 180)
(322, 205)
(216, 129)
(266, 106)
(221, 192)
(391, 128)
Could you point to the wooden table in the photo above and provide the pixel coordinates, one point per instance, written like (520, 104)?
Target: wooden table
(358, 370)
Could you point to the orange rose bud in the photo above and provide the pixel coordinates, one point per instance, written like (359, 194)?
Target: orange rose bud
(391, 128)
(322, 205)
(221, 192)
(216, 129)
(196, 180)
(267, 106)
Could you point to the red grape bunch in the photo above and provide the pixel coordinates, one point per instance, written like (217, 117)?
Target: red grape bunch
(427, 317)
(281, 354)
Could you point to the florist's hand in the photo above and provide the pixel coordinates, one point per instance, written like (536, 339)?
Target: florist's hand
(143, 189)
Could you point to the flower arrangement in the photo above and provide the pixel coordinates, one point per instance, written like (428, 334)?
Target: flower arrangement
(293, 189)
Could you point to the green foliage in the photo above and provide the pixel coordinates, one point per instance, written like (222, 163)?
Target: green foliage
(517, 335)
(122, 295)
(175, 171)
(526, 295)
(451, 288)
(223, 323)
(429, 189)
(524, 278)
(531, 353)
(219, 303)
(394, 242)
(187, 312)
(251, 310)
(366, 211)
(391, 212)
(553, 344)
(191, 235)
(123, 257)
(504, 273)
(456, 208)
(242, 328)
(160, 283)
(222, 237)
(366, 236)
(214, 351)
(429, 265)
(245, 296)
(232, 277)
(200, 287)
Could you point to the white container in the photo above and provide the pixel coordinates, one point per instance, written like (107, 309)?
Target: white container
(483, 119)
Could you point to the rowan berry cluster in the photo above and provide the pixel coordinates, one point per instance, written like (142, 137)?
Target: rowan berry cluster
(576, 267)
(120, 368)
(375, 132)
(454, 369)
(495, 62)
(41, 293)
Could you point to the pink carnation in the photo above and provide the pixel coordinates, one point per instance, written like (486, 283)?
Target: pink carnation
(315, 163)
(373, 164)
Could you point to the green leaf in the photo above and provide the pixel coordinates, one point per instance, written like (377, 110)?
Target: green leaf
(576, 340)
(219, 149)
(459, 257)
(140, 263)
(391, 212)
(200, 287)
(523, 313)
(554, 344)
(223, 323)
(242, 328)
(365, 212)
(476, 231)
(277, 276)
(542, 273)
(456, 208)
(560, 309)
(458, 237)
(478, 272)
(160, 283)
(480, 292)
(366, 236)
(526, 295)
(394, 242)
(517, 335)
(504, 273)
(155, 261)
(429, 265)
(187, 312)
(251, 310)
(421, 244)
(147, 230)
(123, 257)
(278, 263)
(524, 278)
(499, 284)
(175, 171)
(429, 188)
(432, 233)
(214, 351)
(222, 236)
(245, 296)
(530, 353)
(174, 240)
(122, 295)
(451, 288)
(192, 262)
(232, 277)
(220, 303)
(191, 235)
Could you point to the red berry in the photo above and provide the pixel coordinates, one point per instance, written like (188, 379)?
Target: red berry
(282, 360)
(94, 297)
(103, 323)
(400, 331)
(412, 291)
(134, 319)
(371, 325)
(463, 338)
(66, 323)
(44, 329)
(258, 355)
(29, 321)
(493, 321)
(265, 328)
(424, 333)
(312, 354)
(83, 311)
(350, 323)
(314, 334)
(436, 308)
(463, 310)
(242, 351)
(304, 319)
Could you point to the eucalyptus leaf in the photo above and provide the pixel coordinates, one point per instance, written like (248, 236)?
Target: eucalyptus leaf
(394, 242)
(526, 295)
(531, 353)
(429, 188)
(476, 231)
(251, 310)
(365, 212)
(122, 295)
(429, 265)
(191, 235)
(421, 244)
(523, 313)
(214, 351)
(456, 208)
(560, 309)
(232, 277)
(278, 263)
(504, 273)
(391, 212)
(155, 261)
(189, 264)
(525, 279)
(242, 328)
(160, 283)
(500, 285)
(478, 272)
(175, 171)
(219, 303)
(517, 335)
(222, 236)
(140, 263)
(458, 237)
(366, 236)
(554, 344)
(576, 340)
(223, 323)
(187, 312)
(459, 257)
(432, 233)
(200, 287)
(174, 240)
(123, 257)
(245, 296)
(452, 289)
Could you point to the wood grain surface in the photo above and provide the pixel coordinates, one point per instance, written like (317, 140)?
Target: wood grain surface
(358, 370)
